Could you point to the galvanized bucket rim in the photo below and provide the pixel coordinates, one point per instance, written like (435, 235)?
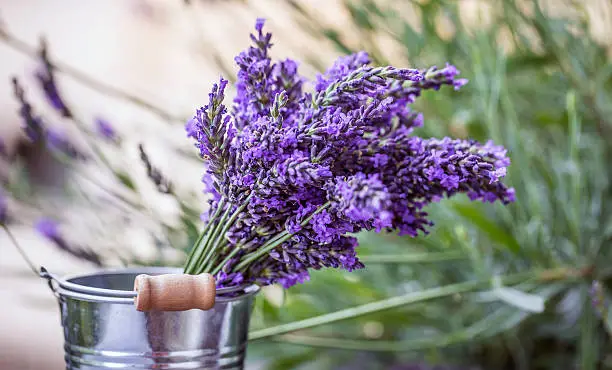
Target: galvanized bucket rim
(83, 292)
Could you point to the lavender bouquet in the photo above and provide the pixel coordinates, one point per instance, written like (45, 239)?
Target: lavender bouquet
(293, 174)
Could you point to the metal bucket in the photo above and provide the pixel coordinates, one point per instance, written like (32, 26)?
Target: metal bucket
(103, 329)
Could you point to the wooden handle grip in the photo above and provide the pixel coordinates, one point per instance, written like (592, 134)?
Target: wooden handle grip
(174, 292)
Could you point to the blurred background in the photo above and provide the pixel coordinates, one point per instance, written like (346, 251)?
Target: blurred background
(520, 287)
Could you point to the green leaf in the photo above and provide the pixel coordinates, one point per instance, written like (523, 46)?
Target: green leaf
(519, 299)
(360, 16)
(519, 63)
(125, 180)
(589, 346)
(334, 37)
(270, 313)
(412, 40)
(192, 233)
(292, 362)
(487, 226)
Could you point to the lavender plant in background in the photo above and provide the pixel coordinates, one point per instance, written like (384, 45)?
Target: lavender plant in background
(49, 229)
(163, 185)
(57, 140)
(105, 130)
(3, 208)
(46, 79)
(293, 174)
(36, 130)
(32, 124)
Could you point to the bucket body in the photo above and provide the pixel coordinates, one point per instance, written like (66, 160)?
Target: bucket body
(103, 329)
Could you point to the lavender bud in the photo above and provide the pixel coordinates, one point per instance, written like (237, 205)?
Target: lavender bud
(106, 130)
(49, 229)
(46, 78)
(162, 184)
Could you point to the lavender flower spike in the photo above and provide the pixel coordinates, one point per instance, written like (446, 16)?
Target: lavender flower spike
(49, 229)
(105, 129)
(46, 78)
(341, 68)
(57, 140)
(32, 124)
(213, 131)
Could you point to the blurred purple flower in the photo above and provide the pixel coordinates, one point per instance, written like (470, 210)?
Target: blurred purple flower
(105, 129)
(37, 132)
(57, 140)
(3, 207)
(49, 229)
(46, 79)
(32, 124)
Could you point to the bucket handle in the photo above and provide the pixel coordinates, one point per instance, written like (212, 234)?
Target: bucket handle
(165, 292)
(174, 292)
(50, 278)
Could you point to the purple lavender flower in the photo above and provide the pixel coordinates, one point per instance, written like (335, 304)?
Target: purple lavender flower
(3, 208)
(32, 124)
(361, 198)
(260, 80)
(162, 184)
(105, 129)
(213, 130)
(57, 140)
(294, 174)
(341, 68)
(36, 131)
(46, 78)
(49, 229)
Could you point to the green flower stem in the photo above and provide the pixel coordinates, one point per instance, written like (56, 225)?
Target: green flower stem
(194, 248)
(21, 251)
(481, 329)
(198, 250)
(413, 257)
(65, 160)
(97, 153)
(205, 266)
(275, 242)
(355, 345)
(367, 345)
(206, 252)
(386, 304)
(208, 238)
(574, 142)
(191, 260)
(226, 260)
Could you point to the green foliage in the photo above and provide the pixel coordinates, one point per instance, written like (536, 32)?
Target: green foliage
(498, 287)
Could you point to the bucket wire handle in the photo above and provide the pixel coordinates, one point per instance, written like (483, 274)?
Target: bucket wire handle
(23, 254)
(43, 273)
(50, 278)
